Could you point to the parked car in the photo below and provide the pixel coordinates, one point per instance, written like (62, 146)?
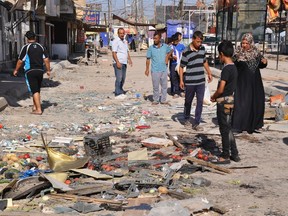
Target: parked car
(210, 44)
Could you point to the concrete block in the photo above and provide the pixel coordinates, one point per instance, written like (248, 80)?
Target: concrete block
(270, 113)
(3, 103)
(282, 112)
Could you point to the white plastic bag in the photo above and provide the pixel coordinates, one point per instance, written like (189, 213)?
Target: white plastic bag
(207, 95)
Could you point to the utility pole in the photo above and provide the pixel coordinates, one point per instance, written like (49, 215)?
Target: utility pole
(180, 9)
(136, 11)
(109, 12)
(125, 8)
(173, 9)
(142, 11)
(155, 12)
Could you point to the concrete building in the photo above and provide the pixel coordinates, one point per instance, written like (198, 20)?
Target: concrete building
(57, 23)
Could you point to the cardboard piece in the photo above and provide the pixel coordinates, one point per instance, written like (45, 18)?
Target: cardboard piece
(92, 173)
(138, 155)
(66, 140)
(160, 142)
(57, 184)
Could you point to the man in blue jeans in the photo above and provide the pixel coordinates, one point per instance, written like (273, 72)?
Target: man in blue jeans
(193, 58)
(121, 57)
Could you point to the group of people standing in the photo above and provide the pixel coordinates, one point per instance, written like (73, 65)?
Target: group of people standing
(187, 84)
(240, 93)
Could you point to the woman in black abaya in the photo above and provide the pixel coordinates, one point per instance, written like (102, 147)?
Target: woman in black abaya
(249, 101)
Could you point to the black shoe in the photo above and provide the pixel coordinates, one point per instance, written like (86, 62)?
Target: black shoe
(235, 158)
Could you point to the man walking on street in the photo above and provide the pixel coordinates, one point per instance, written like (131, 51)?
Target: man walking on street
(121, 56)
(193, 58)
(159, 54)
(33, 55)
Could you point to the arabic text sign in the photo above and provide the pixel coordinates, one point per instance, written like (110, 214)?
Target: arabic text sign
(91, 17)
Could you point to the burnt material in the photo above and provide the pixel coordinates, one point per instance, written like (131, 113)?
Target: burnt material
(97, 146)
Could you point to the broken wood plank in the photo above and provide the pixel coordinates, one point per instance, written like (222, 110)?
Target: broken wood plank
(178, 195)
(214, 171)
(243, 167)
(219, 209)
(175, 142)
(140, 162)
(89, 190)
(208, 164)
(84, 199)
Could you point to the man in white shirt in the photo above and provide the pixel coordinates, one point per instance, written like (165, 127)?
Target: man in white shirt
(121, 57)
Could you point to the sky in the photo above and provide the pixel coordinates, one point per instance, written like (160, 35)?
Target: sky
(118, 5)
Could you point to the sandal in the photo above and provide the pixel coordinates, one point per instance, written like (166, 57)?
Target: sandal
(221, 161)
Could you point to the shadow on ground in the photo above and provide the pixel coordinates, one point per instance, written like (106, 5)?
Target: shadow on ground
(50, 83)
(285, 140)
(15, 89)
(46, 104)
(282, 88)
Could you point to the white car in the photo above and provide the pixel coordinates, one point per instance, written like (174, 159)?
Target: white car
(210, 44)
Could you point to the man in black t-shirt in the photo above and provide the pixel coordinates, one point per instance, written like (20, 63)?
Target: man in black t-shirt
(33, 55)
(225, 99)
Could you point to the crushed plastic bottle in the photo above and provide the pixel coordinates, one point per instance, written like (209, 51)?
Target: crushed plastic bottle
(28, 173)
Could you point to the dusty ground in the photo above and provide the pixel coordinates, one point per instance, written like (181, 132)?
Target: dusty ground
(84, 95)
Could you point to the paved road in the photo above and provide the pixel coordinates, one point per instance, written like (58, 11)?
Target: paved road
(275, 81)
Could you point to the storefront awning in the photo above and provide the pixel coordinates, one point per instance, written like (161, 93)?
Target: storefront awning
(94, 28)
(131, 23)
(18, 5)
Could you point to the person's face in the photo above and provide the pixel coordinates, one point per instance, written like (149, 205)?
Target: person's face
(221, 57)
(179, 37)
(121, 34)
(156, 39)
(197, 42)
(245, 45)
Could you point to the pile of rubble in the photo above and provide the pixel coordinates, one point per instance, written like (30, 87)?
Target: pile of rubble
(109, 172)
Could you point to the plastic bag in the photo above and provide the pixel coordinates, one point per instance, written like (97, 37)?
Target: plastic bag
(207, 95)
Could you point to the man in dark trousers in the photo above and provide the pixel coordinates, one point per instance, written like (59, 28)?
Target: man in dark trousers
(101, 42)
(193, 58)
(224, 96)
(34, 56)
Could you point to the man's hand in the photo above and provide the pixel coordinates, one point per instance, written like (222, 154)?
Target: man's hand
(212, 99)
(147, 72)
(130, 62)
(181, 84)
(48, 73)
(15, 72)
(210, 78)
(119, 65)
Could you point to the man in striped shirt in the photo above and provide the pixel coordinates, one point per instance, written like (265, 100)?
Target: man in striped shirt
(193, 58)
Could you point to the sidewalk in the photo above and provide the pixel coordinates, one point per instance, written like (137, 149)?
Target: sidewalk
(275, 81)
